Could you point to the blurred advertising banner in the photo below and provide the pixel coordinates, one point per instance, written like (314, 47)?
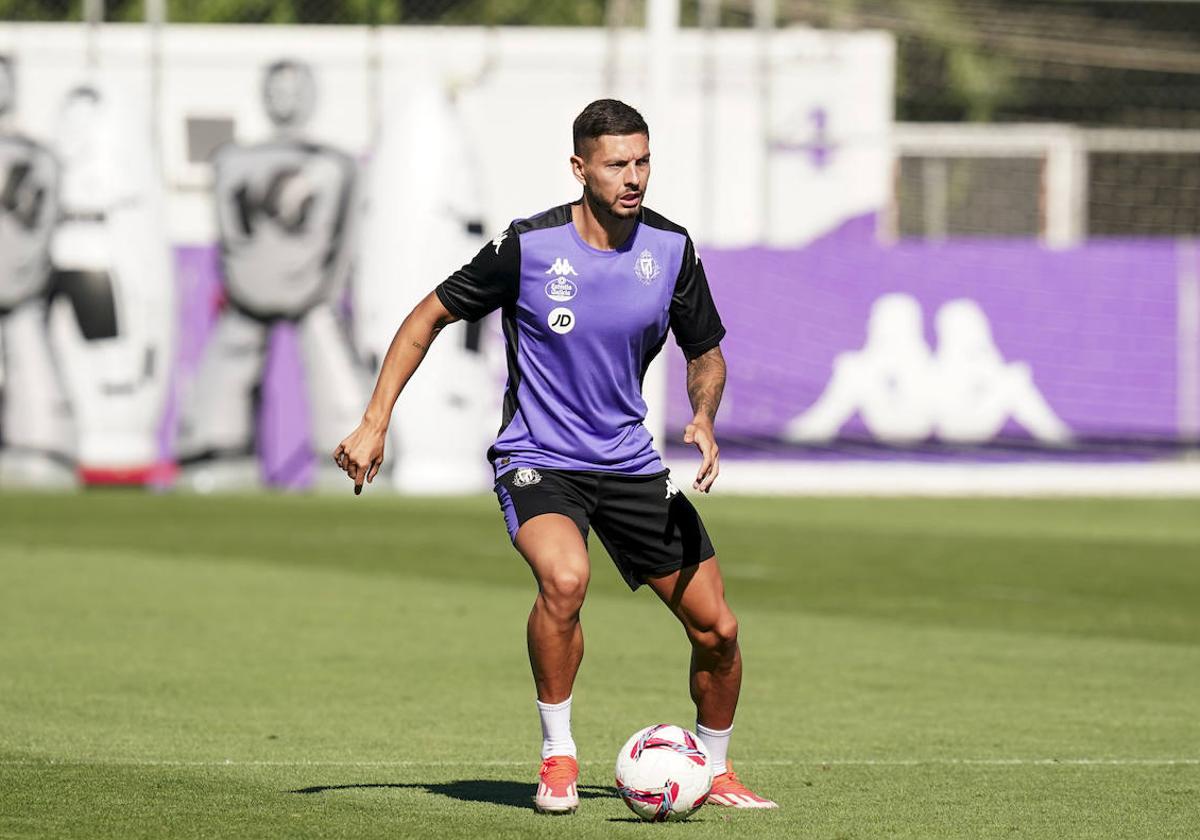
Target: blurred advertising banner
(316, 182)
(978, 349)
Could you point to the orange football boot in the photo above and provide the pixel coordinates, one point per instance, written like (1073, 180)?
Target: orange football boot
(728, 790)
(557, 792)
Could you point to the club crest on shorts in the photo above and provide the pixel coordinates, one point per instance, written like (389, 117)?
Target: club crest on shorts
(646, 268)
(525, 476)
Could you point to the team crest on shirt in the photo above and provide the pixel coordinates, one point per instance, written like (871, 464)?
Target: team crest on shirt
(525, 476)
(647, 268)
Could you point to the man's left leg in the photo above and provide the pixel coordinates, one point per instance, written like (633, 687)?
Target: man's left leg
(696, 595)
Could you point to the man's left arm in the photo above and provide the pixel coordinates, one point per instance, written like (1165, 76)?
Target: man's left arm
(705, 384)
(699, 331)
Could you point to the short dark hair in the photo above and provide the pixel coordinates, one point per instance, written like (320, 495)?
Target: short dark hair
(607, 116)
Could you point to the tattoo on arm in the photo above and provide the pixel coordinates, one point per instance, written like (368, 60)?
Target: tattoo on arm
(438, 325)
(706, 382)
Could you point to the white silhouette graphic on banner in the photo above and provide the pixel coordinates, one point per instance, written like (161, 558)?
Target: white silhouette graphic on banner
(887, 381)
(285, 217)
(449, 410)
(37, 436)
(113, 320)
(905, 393)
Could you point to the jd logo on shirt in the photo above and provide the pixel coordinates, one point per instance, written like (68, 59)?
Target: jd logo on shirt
(561, 320)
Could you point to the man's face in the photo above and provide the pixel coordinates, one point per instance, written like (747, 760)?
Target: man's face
(614, 170)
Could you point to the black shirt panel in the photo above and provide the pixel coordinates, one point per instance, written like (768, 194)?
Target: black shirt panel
(694, 318)
(658, 220)
(554, 217)
(489, 281)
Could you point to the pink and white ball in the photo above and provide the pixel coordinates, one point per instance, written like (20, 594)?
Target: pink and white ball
(663, 773)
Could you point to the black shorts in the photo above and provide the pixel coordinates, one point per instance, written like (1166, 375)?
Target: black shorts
(646, 524)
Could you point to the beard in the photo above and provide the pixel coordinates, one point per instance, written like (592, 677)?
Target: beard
(611, 211)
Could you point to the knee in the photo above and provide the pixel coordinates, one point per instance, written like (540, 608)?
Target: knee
(563, 590)
(718, 638)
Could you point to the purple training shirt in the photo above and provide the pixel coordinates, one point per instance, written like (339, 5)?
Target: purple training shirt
(581, 326)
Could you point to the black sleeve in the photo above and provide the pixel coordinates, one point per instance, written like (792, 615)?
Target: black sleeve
(487, 282)
(694, 318)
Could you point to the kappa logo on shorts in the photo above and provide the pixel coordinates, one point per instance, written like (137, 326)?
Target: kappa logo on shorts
(525, 476)
(671, 488)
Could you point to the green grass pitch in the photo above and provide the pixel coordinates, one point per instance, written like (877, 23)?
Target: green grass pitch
(282, 666)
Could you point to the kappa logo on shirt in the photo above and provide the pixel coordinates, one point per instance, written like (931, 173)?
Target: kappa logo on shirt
(499, 240)
(561, 268)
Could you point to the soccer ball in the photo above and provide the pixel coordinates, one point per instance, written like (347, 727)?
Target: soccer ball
(663, 773)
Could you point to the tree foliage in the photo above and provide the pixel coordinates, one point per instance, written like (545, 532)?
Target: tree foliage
(488, 12)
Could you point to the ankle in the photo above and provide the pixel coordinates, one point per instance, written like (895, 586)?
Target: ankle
(716, 741)
(556, 729)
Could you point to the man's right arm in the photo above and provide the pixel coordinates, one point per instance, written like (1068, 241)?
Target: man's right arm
(489, 281)
(361, 453)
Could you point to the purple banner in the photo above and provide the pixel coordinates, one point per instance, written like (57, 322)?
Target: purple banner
(849, 348)
(987, 347)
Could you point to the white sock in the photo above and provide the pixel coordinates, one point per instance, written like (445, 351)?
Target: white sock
(717, 743)
(556, 728)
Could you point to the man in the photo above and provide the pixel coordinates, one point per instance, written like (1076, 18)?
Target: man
(588, 291)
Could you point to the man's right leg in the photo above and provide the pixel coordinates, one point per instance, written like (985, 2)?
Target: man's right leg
(554, 549)
(553, 546)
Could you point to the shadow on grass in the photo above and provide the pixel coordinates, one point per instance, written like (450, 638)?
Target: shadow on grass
(512, 794)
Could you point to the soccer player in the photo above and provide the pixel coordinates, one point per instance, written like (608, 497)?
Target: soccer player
(588, 291)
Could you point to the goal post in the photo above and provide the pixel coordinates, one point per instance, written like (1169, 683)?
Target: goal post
(1061, 183)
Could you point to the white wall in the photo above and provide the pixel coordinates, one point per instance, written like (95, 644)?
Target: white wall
(519, 90)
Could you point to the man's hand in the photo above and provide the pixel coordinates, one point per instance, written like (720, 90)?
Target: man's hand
(361, 454)
(700, 433)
